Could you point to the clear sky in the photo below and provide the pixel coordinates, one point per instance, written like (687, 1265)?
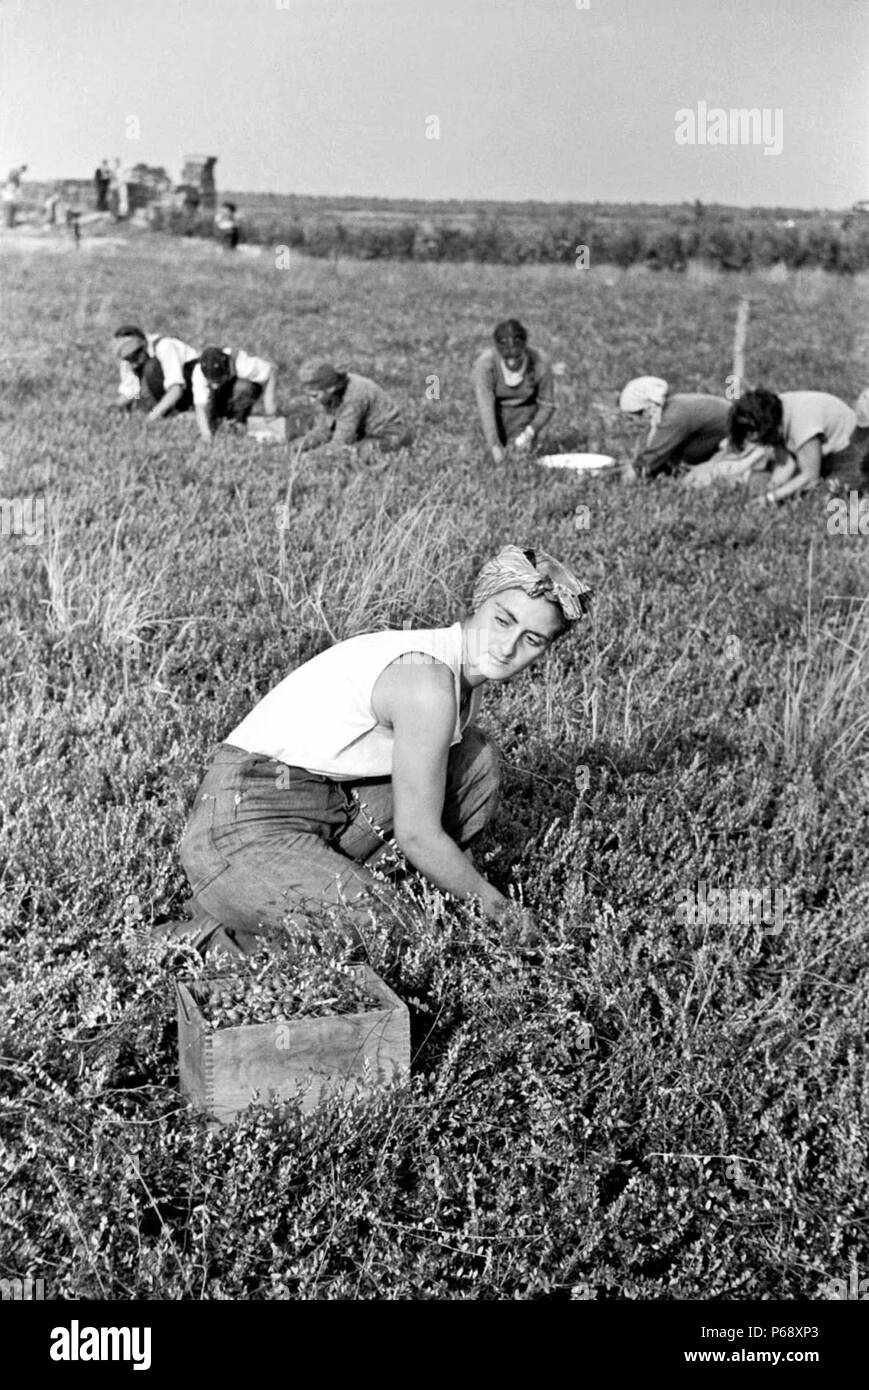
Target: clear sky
(535, 98)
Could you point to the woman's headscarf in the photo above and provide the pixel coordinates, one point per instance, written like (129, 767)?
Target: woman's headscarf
(646, 393)
(538, 575)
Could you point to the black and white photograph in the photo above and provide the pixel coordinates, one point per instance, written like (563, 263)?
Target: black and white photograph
(434, 597)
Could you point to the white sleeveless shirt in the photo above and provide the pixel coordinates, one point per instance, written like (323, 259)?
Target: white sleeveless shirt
(320, 716)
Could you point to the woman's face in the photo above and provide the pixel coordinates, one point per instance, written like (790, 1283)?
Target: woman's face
(763, 437)
(327, 398)
(507, 633)
(317, 397)
(512, 354)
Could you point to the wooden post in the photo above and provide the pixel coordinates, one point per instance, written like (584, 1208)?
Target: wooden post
(739, 336)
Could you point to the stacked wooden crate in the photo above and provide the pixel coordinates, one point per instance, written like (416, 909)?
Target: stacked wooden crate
(198, 172)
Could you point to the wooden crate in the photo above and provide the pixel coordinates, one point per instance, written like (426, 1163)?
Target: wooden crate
(221, 1069)
(267, 429)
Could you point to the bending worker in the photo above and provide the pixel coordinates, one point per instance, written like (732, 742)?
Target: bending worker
(372, 740)
(684, 429)
(226, 385)
(810, 436)
(352, 411)
(156, 372)
(515, 391)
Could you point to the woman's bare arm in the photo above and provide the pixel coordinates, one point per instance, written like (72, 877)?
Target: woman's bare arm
(270, 390)
(203, 423)
(417, 699)
(808, 471)
(166, 403)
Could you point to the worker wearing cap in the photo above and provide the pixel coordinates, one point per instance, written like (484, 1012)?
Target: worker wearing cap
(156, 372)
(353, 411)
(227, 385)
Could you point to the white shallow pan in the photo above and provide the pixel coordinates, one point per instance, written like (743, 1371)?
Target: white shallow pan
(580, 463)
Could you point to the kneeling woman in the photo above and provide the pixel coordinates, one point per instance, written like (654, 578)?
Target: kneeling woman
(515, 391)
(374, 738)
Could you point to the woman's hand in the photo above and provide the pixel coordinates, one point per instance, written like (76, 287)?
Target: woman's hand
(498, 454)
(805, 474)
(520, 927)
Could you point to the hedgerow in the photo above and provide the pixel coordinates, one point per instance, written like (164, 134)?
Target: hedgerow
(726, 242)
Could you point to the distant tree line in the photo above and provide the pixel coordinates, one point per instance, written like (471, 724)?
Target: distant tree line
(727, 241)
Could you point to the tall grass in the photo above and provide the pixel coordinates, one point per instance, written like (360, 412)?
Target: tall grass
(825, 698)
(94, 588)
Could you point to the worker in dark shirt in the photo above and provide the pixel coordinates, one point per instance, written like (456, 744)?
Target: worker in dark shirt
(685, 429)
(515, 391)
(352, 412)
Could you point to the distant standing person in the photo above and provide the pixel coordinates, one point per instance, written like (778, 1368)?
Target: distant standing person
(123, 187)
(113, 200)
(73, 222)
(9, 198)
(11, 193)
(226, 225)
(515, 391)
(353, 411)
(684, 429)
(101, 187)
(227, 385)
(156, 372)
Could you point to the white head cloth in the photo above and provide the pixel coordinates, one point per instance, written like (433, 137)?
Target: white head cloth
(646, 393)
(513, 378)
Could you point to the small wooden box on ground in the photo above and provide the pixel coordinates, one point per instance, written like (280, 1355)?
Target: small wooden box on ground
(223, 1070)
(267, 429)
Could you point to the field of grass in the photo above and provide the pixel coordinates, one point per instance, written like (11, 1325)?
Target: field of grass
(651, 1109)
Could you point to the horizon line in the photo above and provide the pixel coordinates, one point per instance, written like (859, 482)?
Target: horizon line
(494, 202)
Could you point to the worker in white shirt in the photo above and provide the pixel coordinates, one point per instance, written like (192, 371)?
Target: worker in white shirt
(156, 372)
(812, 439)
(227, 385)
(226, 226)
